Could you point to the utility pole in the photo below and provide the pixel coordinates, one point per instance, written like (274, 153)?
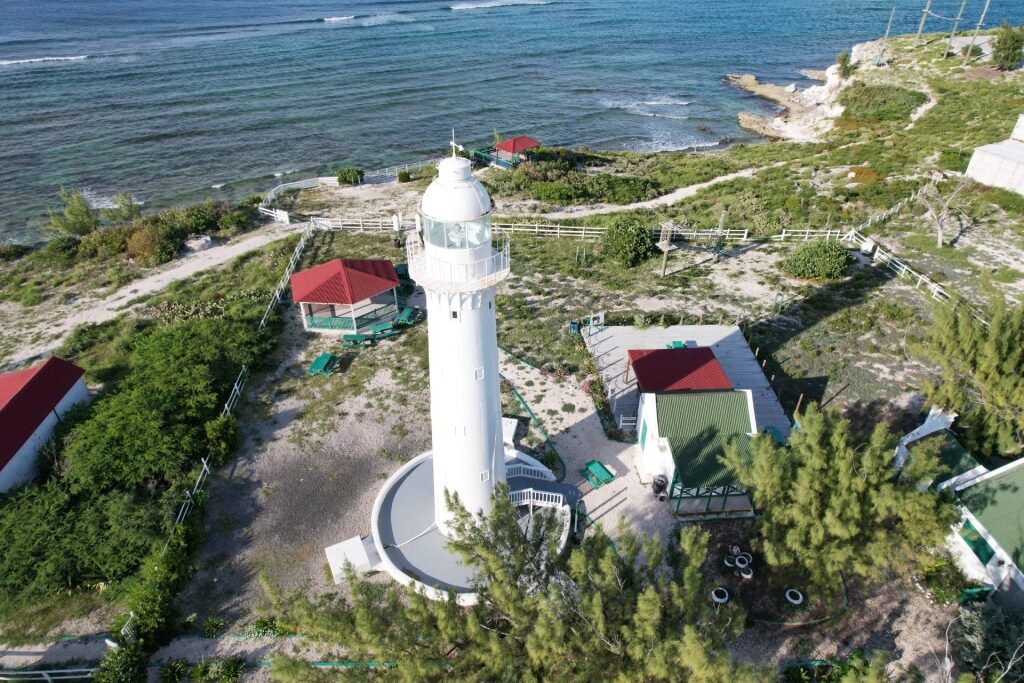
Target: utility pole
(924, 16)
(956, 22)
(977, 30)
(880, 61)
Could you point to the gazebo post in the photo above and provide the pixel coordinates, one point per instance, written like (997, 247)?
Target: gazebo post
(394, 290)
(352, 314)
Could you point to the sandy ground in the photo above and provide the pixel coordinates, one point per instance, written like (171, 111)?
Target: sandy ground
(893, 617)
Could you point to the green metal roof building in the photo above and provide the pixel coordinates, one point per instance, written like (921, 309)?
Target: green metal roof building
(993, 528)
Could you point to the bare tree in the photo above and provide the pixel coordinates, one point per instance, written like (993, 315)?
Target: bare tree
(941, 208)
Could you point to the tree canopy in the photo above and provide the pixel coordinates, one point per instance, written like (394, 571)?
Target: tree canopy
(834, 505)
(628, 610)
(983, 375)
(75, 217)
(629, 241)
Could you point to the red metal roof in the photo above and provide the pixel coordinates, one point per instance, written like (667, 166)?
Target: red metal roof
(27, 397)
(688, 369)
(517, 144)
(344, 281)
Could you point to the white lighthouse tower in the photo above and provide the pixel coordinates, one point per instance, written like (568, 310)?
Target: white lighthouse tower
(452, 259)
(458, 269)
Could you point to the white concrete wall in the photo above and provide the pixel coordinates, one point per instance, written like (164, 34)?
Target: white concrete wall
(22, 466)
(991, 165)
(1018, 130)
(652, 459)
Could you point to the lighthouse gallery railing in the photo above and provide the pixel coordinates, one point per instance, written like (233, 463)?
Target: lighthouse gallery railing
(439, 275)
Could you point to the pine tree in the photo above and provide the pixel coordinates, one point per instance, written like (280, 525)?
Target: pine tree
(835, 506)
(75, 217)
(629, 610)
(983, 375)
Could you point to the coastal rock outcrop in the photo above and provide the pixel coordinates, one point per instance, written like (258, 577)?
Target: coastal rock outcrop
(807, 114)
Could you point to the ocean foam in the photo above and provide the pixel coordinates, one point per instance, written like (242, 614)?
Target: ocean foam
(334, 20)
(638, 109)
(667, 101)
(488, 4)
(217, 186)
(390, 18)
(11, 62)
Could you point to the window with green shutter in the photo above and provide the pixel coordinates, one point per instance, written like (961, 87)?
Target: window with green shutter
(643, 432)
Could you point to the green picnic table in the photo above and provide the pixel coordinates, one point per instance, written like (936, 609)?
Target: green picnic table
(353, 341)
(407, 316)
(383, 330)
(323, 365)
(676, 345)
(597, 474)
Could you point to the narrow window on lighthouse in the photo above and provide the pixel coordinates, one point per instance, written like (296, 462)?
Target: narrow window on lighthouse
(485, 476)
(455, 315)
(479, 374)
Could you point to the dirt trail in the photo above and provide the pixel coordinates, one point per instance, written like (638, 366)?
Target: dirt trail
(669, 199)
(89, 309)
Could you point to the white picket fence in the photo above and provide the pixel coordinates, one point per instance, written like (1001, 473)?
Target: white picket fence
(361, 224)
(393, 171)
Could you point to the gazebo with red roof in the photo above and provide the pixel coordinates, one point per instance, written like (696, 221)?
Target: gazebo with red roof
(32, 401)
(517, 145)
(346, 295)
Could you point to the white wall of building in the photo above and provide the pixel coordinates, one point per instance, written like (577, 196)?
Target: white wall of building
(653, 456)
(1001, 164)
(22, 466)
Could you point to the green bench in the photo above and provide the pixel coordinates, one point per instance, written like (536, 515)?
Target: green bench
(323, 365)
(676, 345)
(407, 316)
(355, 341)
(597, 474)
(383, 330)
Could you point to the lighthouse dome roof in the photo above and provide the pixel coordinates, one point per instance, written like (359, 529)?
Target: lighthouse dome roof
(455, 194)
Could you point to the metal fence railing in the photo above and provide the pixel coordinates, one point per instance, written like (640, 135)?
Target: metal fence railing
(51, 675)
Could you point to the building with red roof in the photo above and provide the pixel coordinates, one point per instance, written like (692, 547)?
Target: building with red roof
(682, 369)
(346, 295)
(517, 145)
(688, 414)
(32, 402)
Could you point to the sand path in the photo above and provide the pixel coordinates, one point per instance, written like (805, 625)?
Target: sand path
(90, 309)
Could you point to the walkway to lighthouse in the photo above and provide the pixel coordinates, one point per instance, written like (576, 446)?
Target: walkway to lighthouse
(411, 540)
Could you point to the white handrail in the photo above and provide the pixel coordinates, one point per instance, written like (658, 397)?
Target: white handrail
(528, 471)
(545, 499)
(442, 276)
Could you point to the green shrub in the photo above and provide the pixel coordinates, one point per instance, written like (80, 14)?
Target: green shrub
(236, 222)
(628, 240)
(349, 176)
(846, 67)
(951, 159)
(987, 633)
(404, 176)
(877, 103)
(211, 627)
(943, 579)
(124, 664)
(818, 260)
(222, 436)
(106, 243)
(263, 627)
(972, 51)
(252, 200)
(61, 250)
(1008, 49)
(12, 252)
(174, 671)
(150, 246)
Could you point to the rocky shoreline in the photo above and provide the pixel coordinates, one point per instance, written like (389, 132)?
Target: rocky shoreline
(807, 115)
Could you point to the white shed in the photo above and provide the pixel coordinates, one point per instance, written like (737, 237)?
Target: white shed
(32, 402)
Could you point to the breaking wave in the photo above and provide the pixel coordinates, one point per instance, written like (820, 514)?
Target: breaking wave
(335, 20)
(36, 60)
(488, 4)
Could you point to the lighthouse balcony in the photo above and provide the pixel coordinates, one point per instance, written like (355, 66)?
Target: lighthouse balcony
(443, 276)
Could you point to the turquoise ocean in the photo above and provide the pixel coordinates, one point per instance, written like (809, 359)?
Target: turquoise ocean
(178, 101)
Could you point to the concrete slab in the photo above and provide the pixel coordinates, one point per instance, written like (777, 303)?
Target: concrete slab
(358, 550)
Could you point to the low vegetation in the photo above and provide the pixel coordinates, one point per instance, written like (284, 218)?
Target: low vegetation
(1008, 49)
(349, 176)
(818, 260)
(111, 247)
(867, 104)
(629, 241)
